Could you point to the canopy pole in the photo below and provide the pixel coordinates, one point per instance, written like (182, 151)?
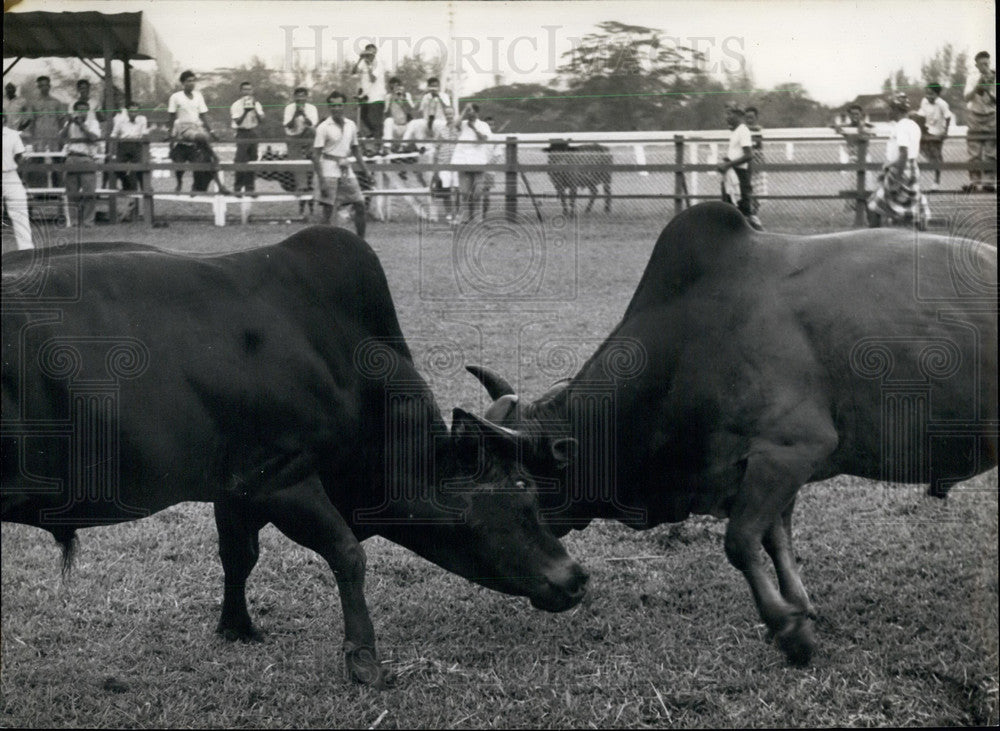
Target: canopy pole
(127, 67)
(12, 64)
(109, 80)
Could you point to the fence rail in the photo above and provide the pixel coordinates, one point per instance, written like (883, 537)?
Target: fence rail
(672, 174)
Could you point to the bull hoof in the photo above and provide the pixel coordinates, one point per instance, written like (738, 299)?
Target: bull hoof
(363, 667)
(246, 633)
(797, 641)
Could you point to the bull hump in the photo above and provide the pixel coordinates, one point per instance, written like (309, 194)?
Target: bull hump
(704, 241)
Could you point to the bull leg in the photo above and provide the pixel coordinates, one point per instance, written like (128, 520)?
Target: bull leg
(768, 488)
(239, 550)
(607, 197)
(593, 197)
(305, 514)
(778, 544)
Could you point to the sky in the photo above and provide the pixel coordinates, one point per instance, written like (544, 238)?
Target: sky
(835, 48)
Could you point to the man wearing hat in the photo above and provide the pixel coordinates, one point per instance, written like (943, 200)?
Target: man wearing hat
(898, 195)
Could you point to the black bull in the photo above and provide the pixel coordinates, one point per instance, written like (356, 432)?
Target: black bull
(748, 364)
(276, 384)
(566, 182)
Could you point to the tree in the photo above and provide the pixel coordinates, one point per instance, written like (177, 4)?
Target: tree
(789, 105)
(627, 77)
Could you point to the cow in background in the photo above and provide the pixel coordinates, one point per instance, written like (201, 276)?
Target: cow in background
(566, 182)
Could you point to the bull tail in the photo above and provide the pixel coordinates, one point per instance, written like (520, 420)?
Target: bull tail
(66, 538)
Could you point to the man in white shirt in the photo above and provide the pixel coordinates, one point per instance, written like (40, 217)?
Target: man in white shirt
(898, 195)
(399, 110)
(127, 134)
(336, 141)
(471, 130)
(246, 113)
(15, 199)
(737, 187)
(432, 106)
(371, 91)
(937, 117)
(94, 113)
(81, 137)
(190, 133)
(300, 120)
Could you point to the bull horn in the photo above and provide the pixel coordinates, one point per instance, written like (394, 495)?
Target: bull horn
(502, 409)
(495, 384)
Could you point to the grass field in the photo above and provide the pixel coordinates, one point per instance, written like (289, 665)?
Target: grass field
(906, 586)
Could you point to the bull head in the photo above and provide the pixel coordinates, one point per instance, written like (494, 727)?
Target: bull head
(505, 414)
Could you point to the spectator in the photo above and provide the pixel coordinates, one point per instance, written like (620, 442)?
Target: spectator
(15, 199)
(127, 136)
(300, 120)
(94, 112)
(43, 119)
(981, 118)
(246, 113)
(497, 157)
(758, 178)
(12, 105)
(471, 129)
(444, 182)
(371, 91)
(336, 140)
(190, 132)
(432, 106)
(898, 195)
(856, 135)
(936, 115)
(735, 167)
(398, 113)
(81, 136)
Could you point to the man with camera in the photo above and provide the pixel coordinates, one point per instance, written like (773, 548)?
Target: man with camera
(81, 137)
(371, 92)
(473, 148)
(246, 113)
(398, 113)
(300, 120)
(190, 133)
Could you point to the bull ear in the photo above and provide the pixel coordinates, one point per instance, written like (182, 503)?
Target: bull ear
(564, 450)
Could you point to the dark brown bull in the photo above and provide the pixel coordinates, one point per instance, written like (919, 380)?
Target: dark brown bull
(748, 364)
(274, 383)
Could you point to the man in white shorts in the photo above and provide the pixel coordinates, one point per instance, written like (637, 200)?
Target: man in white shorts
(335, 142)
(15, 199)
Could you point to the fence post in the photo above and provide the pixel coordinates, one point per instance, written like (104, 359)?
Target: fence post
(860, 195)
(146, 186)
(680, 185)
(510, 189)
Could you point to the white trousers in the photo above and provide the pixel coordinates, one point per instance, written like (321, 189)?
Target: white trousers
(16, 200)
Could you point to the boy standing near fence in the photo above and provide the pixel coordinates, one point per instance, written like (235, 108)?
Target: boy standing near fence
(937, 117)
(758, 178)
(737, 187)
